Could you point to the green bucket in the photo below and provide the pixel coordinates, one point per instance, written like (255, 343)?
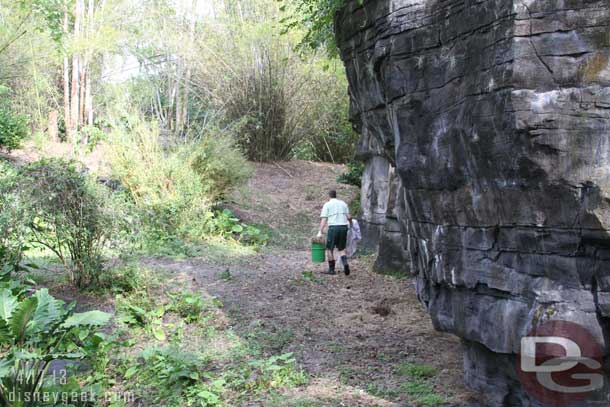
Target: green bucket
(318, 253)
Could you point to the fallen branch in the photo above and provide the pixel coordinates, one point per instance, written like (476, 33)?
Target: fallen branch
(283, 169)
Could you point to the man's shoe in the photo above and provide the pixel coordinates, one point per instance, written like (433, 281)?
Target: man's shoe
(346, 270)
(329, 272)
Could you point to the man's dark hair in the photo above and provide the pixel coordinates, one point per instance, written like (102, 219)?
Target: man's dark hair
(332, 193)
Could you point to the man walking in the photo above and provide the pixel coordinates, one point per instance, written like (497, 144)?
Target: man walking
(335, 215)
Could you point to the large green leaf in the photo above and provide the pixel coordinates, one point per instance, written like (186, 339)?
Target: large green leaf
(48, 312)
(21, 317)
(8, 303)
(27, 355)
(91, 318)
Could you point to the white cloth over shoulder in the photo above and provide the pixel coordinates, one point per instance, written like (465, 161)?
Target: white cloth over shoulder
(353, 237)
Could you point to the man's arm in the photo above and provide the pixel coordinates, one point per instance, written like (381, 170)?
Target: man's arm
(323, 224)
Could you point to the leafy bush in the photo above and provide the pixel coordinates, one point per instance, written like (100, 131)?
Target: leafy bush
(34, 332)
(13, 128)
(224, 223)
(220, 164)
(138, 309)
(273, 372)
(331, 137)
(93, 136)
(317, 18)
(260, 94)
(174, 188)
(71, 216)
(353, 175)
(169, 374)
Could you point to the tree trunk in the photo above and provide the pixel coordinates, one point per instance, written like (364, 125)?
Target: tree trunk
(184, 119)
(52, 127)
(88, 94)
(66, 82)
(83, 79)
(76, 69)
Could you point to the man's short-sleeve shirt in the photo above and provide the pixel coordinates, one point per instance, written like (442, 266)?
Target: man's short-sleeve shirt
(336, 211)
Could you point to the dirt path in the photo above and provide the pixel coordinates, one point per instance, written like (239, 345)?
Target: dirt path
(352, 334)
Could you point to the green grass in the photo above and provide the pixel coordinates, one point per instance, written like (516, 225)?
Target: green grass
(422, 393)
(399, 275)
(419, 386)
(416, 371)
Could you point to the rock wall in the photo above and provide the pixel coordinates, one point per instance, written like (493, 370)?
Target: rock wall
(496, 116)
(380, 203)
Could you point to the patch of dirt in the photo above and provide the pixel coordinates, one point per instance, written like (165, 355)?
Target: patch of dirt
(349, 331)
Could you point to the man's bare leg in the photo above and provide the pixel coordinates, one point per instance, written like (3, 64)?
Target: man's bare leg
(330, 255)
(343, 257)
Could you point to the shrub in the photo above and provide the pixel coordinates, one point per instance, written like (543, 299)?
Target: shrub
(13, 128)
(93, 136)
(35, 331)
(168, 374)
(261, 94)
(353, 175)
(71, 216)
(174, 188)
(220, 165)
(224, 223)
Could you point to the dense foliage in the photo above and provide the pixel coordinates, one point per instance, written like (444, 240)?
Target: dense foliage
(317, 17)
(173, 191)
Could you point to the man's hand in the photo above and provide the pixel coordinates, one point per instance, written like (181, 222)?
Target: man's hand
(319, 234)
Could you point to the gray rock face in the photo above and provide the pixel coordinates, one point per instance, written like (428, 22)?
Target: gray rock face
(381, 189)
(495, 115)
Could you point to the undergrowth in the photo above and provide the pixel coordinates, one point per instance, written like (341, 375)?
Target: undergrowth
(180, 351)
